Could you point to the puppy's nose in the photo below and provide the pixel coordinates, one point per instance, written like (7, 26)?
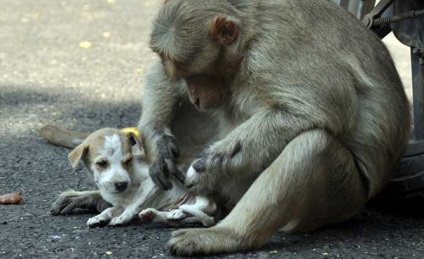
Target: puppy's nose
(121, 186)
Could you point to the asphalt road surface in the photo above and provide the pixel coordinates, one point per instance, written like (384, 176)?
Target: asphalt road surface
(79, 65)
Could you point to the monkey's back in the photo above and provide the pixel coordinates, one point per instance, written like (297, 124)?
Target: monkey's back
(327, 66)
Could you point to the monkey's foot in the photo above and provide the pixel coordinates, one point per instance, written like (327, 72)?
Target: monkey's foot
(188, 242)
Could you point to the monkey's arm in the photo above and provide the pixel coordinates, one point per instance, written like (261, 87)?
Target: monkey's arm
(248, 149)
(70, 200)
(160, 102)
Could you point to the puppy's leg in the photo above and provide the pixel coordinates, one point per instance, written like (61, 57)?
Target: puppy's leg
(157, 216)
(176, 214)
(127, 215)
(200, 210)
(313, 182)
(70, 200)
(146, 194)
(103, 218)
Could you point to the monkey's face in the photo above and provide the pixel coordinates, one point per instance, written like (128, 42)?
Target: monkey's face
(206, 93)
(192, 38)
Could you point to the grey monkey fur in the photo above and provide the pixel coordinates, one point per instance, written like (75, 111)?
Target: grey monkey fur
(317, 121)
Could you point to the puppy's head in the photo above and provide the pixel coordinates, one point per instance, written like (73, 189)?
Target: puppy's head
(107, 155)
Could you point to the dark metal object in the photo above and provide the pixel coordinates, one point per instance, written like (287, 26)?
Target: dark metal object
(409, 178)
(357, 7)
(408, 27)
(411, 31)
(383, 9)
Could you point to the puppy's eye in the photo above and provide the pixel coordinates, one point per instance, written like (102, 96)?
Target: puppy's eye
(127, 161)
(102, 163)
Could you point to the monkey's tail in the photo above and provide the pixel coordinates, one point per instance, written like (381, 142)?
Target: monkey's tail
(62, 137)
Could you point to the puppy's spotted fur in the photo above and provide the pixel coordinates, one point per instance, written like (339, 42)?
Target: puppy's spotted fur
(117, 164)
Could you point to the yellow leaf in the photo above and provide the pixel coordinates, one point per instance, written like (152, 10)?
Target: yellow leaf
(106, 34)
(133, 130)
(85, 44)
(108, 252)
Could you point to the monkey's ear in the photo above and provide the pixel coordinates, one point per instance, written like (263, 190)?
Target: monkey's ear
(224, 30)
(77, 154)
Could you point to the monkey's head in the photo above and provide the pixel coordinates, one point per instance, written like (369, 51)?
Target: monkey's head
(199, 42)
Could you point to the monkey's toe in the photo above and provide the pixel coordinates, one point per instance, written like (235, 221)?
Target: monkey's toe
(189, 242)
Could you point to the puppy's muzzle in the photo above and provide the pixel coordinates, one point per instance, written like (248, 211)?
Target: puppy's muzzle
(121, 186)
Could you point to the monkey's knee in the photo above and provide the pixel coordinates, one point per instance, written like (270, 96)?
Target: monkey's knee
(331, 188)
(312, 183)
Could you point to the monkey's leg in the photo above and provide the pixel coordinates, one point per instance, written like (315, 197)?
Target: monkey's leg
(313, 182)
(70, 200)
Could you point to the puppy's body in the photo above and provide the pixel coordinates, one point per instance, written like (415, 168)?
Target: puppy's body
(121, 173)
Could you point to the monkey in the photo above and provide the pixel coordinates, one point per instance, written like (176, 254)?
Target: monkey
(314, 121)
(310, 131)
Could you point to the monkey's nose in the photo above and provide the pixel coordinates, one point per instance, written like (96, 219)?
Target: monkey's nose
(121, 186)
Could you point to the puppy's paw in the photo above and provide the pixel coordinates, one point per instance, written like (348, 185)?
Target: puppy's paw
(176, 214)
(147, 215)
(98, 221)
(122, 220)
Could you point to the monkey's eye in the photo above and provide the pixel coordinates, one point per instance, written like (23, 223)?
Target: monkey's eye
(102, 163)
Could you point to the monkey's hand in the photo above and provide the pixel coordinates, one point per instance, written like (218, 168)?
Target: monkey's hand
(205, 172)
(71, 200)
(163, 165)
(246, 151)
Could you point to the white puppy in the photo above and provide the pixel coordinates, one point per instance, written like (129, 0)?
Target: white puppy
(115, 162)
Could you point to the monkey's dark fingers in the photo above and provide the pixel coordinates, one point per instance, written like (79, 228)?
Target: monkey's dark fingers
(168, 147)
(56, 209)
(162, 182)
(159, 174)
(68, 209)
(180, 176)
(174, 148)
(60, 205)
(172, 168)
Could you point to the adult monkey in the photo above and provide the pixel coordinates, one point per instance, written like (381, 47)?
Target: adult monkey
(316, 122)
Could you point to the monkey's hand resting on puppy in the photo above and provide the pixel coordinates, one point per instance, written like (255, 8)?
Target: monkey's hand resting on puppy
(164, 164)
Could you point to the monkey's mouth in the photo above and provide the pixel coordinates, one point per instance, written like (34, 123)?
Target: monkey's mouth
(204, 92)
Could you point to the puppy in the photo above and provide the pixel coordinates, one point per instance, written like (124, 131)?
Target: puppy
(114, 159)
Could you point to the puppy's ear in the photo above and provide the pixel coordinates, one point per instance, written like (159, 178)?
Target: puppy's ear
(134, 140)
(77, 154)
